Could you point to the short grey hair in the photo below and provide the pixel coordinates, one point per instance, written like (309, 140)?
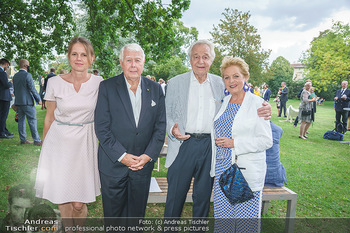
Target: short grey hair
(206, 42)
(131, 47)
(345, 82)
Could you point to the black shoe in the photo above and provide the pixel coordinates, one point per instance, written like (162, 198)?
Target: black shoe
(10, 134)
(26, 142)
(6, 136)
(38, 143)
(285, 116)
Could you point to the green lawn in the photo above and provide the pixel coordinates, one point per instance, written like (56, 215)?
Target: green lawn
(317, 169)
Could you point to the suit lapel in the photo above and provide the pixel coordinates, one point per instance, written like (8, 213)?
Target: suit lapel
(125, 98)
(146, 101)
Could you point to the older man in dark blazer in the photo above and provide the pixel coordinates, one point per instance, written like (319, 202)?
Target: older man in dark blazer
(5, 98)
(130, 125)
(342, 99)
(25, 93)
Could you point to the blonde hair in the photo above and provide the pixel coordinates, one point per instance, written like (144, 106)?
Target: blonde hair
(307, 84)
(235, 61)
(87, 45)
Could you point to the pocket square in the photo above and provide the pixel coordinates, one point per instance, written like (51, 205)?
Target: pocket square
(153, 103)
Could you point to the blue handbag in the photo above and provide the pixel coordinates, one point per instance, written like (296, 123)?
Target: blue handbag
(234, 185)
(333, 135)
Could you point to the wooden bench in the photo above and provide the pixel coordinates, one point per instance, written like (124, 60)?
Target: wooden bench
(269, 194)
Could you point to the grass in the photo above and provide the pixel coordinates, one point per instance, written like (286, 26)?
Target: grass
(317, 169)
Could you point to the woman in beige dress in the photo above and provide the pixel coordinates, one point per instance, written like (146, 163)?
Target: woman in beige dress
(67, 172)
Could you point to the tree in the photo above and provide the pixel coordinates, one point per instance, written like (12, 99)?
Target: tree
(169, 68)
(34, 29)
(328, 59)
(235, 36)
(149, 23)
(281, 72)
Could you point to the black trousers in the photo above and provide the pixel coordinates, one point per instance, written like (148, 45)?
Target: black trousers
(341, 117)
(193, 160)
(4, 112)
(126, 195)
(283, 107)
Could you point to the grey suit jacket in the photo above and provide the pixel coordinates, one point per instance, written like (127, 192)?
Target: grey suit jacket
(176, 102)
(24, 89)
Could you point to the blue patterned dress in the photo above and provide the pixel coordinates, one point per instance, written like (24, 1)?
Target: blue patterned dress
(241, 217)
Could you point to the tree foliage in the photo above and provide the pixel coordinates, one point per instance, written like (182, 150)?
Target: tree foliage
(149, 23)
(34, 29)
(169, 68)
(281, 72)
(328, 59)
(235, 36)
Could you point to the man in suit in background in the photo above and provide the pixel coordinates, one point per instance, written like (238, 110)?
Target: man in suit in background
(25, 94)
(342, 98)
(267, 93)
(5, 98)
(192, 100)
(130, 125)
(283, 99)
(49, 75)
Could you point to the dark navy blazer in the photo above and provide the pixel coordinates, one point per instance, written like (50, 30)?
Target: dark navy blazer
(5, 86)
(342, 103)
(116, 128)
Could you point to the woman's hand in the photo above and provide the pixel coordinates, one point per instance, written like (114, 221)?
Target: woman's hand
(224, 142)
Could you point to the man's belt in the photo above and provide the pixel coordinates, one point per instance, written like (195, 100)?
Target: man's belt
(198, 135)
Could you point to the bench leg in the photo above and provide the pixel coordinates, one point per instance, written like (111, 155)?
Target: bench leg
(265, 207)
(291, 207)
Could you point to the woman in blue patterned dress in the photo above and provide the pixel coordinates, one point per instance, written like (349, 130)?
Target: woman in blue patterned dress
(239, 134)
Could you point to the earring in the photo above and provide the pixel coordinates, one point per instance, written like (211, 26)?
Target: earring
(226, 92)
(245, 87)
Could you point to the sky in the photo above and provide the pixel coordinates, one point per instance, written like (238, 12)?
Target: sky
(286, 27)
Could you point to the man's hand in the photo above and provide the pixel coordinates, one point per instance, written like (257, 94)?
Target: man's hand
(130, 160)
(40, 103)
(142, 160)
(265, 111)
(177, 134)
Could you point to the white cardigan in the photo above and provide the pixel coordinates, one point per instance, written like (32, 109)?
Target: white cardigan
(252, 137)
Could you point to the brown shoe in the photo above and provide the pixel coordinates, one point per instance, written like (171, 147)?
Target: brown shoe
(26, 142)
(38, 143)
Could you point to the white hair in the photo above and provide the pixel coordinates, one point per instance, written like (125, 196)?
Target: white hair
(131, 47)
(206, 42)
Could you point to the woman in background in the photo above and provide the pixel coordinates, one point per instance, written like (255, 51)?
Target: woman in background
(67, 172)
(305, 106)
(243, 136)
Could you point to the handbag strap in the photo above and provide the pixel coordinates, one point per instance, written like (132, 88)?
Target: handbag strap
(240, 168)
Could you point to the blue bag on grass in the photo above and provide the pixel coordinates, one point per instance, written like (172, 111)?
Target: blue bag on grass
(333, 135)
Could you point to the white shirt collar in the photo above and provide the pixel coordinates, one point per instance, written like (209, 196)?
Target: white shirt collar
(128, 85)
(194, 79)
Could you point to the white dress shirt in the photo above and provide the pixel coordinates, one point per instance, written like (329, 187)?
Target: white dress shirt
(201, 107)
(136, 103)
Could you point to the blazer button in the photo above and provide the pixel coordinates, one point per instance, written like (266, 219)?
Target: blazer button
(137, 134)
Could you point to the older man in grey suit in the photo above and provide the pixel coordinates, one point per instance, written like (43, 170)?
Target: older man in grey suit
(192, 101)
(25, 93)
